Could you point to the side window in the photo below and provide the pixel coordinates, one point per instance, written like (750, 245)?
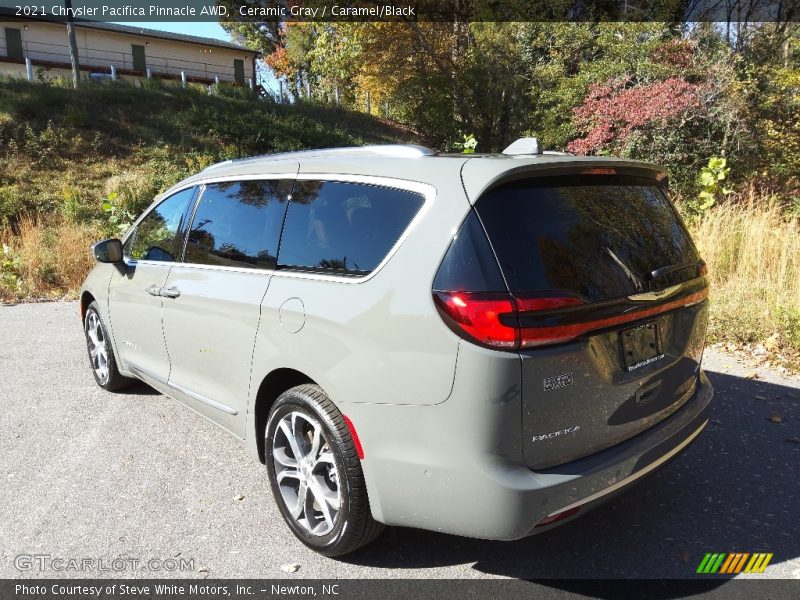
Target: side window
(344, 228)
(156, 236)
(238, 224)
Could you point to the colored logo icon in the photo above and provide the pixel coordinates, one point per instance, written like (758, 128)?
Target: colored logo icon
(736, 562)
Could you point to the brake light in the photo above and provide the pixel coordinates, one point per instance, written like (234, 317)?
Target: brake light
(479, 316)
(507, 322)
(492, 319)
(546, 303)
(599, 171)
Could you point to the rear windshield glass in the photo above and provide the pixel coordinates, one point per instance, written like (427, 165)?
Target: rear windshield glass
(600, 237)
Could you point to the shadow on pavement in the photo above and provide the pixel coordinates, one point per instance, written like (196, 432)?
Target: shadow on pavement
(734, 489)
(139, 388)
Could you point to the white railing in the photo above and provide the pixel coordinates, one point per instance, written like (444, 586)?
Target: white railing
(159, 65)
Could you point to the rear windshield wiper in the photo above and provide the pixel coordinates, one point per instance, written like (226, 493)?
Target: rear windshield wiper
(660, 272)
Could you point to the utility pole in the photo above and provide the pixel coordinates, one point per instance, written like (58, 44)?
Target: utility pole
(73, 46)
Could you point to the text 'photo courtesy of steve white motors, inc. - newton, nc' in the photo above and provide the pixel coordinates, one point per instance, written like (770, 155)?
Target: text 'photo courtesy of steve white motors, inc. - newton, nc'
(148, 589)
(212, 11)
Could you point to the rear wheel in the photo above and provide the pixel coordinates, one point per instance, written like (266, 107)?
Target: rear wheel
(101, 354)
(315, 473)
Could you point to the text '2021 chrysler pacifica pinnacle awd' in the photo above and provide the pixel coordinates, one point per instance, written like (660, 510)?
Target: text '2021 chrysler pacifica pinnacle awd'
(482, 345)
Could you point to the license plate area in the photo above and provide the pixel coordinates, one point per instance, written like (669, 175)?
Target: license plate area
(641, 346)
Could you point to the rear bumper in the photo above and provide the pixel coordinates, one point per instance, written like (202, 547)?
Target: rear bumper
(458, 469)
(602, 475)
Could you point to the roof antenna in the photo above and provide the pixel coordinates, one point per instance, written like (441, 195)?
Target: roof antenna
(526, 145)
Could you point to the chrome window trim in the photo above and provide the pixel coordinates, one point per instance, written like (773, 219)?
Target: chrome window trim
(427, 191)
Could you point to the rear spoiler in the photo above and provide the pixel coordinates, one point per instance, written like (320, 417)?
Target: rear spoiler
(481, 174)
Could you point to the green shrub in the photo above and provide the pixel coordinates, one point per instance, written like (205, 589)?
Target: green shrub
(11, 203)
(9, 271)
(76, 116)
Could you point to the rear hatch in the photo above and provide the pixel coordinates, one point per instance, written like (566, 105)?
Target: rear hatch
(593, 280)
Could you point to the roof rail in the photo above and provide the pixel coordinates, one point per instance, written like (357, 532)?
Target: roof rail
(386, 150)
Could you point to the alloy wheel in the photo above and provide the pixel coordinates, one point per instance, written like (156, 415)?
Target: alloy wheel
(97, 346)
(306, 473)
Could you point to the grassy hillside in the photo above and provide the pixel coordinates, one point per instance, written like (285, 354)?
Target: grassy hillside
(63, 152)
(77, 166)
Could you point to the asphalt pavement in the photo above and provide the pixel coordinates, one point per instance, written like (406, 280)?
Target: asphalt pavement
(86, 474)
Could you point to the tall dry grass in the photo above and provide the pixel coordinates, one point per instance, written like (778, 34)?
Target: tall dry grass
(752, 247)
(46, 260)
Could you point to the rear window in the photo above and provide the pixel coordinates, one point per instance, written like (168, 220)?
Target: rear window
(600, 237)
(345, 228)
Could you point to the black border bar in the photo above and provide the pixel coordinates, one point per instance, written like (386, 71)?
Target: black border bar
(751, 11)
(710, 587)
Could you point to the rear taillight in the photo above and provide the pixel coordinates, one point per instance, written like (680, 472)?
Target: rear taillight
(508, 322)
(479, 316)
(492, 319)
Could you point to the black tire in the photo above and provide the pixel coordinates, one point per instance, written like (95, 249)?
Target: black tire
(112, 380)
(353, 525)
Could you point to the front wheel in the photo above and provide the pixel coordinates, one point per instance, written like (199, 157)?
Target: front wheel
(101, 354)
(315, 473)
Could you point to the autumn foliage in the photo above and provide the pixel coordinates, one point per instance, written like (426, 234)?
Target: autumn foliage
(614, 110)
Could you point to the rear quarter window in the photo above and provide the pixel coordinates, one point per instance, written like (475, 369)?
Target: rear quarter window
(344, 228)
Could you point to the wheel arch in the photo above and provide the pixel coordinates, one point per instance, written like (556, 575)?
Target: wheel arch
(86, 299)
(272, 386)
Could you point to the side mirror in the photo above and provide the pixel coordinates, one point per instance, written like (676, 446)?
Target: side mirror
(108, 251)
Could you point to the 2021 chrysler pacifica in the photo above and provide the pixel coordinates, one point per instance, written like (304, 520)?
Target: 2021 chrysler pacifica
(484, 345)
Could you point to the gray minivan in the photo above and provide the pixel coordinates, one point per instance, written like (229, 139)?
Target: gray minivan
(482, 345)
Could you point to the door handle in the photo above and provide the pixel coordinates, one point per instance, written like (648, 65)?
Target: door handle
(171, 292)
(153, 290)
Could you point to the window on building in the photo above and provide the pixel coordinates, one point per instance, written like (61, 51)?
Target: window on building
(139, 61)
(14, 43)
(238, 70)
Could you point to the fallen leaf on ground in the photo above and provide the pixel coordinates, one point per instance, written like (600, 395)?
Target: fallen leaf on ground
(290, 568)
(775, 418)
(772, 342)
